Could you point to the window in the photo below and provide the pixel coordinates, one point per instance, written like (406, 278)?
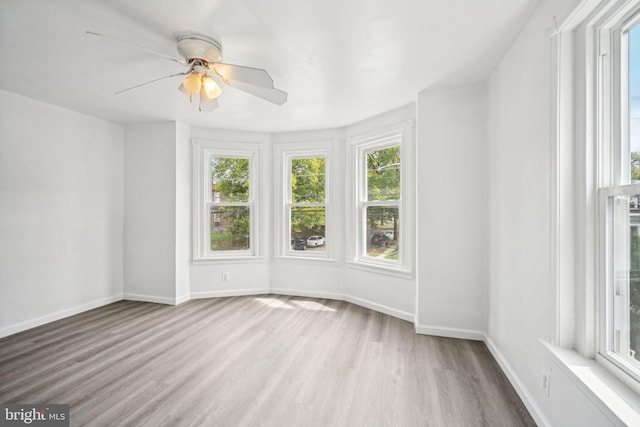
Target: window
(619, 195)
(226, 200)
(381, 207)
(306, 204)
(230, 205)
(380, 203)
(305, 226)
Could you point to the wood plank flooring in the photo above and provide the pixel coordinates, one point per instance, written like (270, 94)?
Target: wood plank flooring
(254, 361)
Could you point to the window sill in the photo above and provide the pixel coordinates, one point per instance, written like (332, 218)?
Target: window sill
(381, 269)
(229, 260)
(609, 394)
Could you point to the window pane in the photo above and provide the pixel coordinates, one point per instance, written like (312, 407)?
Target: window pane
(383, 174)
(308, 228)
(626, 276)
(229, 179)
(230, 228)
(382, 232)
(634, 102)
(307, 180)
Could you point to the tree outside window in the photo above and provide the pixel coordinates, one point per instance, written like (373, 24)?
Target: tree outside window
(382, 203)
(230, 208)
(307, 207)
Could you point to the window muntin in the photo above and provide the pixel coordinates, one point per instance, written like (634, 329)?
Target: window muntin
(307, 205)
(230, 204)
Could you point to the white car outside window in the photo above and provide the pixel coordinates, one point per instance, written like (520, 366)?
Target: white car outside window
(315, 241)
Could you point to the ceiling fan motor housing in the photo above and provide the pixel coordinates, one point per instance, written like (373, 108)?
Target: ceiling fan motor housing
(197, 46)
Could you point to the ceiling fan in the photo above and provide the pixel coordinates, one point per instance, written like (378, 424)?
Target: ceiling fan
(202, 55)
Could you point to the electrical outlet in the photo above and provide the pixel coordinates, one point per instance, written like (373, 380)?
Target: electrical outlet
(225, 276)
(545, 381)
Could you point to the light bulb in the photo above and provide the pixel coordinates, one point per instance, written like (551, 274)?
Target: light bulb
(210, 89)
(192, 83)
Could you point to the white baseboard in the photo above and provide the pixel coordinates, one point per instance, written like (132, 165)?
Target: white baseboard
(229, 293)
(409, 317)
(28, 324)
(517, 384)
(149, 298)
(308, 294)
(466, 334)
(182, 298)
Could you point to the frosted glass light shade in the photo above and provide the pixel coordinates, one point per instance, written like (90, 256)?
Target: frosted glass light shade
(210, 89)
(192, 83)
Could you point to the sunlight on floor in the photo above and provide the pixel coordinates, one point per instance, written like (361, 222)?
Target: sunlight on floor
(312, 305)
(306, 304)
(274, 302)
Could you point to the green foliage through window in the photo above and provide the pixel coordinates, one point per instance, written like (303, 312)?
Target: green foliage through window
(230, 179)
(635, 166)
(230, 214)
(383, 174)
(308, 180)
(308, 209)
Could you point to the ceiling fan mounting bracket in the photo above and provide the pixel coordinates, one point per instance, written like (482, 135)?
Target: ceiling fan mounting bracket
(193, 46)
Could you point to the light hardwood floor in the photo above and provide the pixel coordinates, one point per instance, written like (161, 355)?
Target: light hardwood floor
(254, 361)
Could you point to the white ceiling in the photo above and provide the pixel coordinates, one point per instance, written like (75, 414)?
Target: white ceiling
(341, 61)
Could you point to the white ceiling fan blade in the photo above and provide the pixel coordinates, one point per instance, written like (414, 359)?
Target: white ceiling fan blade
(146, 49)
(238, 73)
(273, 95)
(151, 81)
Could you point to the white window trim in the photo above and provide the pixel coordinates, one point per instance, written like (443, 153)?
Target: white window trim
(580, 147)
(284, 153)
(202, 152)
(612, 82)
(403, 135)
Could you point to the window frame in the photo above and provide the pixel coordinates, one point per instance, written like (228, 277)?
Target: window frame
(289, 157)
(284, 154)
(364, 203)
(203, 152)
(613, 162)
(401, 135)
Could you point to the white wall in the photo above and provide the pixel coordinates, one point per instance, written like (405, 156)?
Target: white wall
(309, 277)
(452, 212)
(150, 212)
(183, 212)
(520, 297)
(61, 206)
(391, 294)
